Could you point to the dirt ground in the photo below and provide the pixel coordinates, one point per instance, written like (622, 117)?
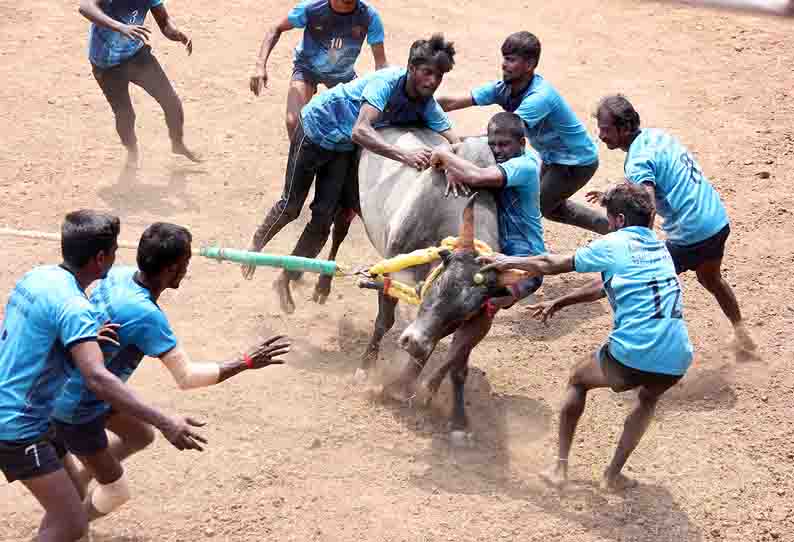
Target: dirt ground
(299, 453)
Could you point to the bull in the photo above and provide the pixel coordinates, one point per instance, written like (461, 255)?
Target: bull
(404, 210)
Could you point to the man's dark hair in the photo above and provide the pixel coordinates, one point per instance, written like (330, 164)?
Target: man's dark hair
(633, 201)
(507, 123)
(524, 44)
(436, 51)
(621, 111)
(161, 245)
(86, 233)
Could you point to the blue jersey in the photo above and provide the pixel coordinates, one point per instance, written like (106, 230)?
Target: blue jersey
(520, 226)
(551, 125)
(332, 41)
(328, 119)
(144, 330)
(107, 48)
(47, 313)
(640, 281)
(690, 206)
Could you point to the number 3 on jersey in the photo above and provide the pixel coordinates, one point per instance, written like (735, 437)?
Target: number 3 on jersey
(663, 290)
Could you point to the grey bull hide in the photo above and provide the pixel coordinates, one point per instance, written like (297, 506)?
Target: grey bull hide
(404, 210)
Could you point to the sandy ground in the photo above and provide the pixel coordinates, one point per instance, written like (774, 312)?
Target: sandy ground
(298, 453)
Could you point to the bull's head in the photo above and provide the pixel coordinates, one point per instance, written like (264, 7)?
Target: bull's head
(459, 293)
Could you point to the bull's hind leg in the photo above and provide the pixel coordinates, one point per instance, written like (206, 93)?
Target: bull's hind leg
(459, 422)
(342, 221)
(383, 323)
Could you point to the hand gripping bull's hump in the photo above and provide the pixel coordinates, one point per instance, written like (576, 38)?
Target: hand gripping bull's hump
(404, 209)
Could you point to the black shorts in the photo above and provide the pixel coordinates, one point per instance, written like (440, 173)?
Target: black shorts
(623, 378)
(83, 439)
(690, 257)
(24, 460)
(302, 73)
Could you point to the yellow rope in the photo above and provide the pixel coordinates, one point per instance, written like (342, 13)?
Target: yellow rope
(404, 292)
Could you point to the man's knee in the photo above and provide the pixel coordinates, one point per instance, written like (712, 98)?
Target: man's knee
(291, 122)
(108, 497)
(710, 279)
(648, 398)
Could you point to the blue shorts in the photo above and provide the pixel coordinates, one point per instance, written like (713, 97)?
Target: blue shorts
(302, 73)
(86, 438)
(25, 460)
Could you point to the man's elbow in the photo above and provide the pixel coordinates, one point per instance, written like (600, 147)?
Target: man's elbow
(97, 382)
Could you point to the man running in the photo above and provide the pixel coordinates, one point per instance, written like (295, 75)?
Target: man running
(695, 219)
(332, 39)
(120, 54)
(127, 297)
(648, 348)
(569, 155)
(330, 127)
(48, 316)
(515, 177)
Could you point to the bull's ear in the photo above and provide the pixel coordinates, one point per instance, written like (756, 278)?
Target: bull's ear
(445, 255)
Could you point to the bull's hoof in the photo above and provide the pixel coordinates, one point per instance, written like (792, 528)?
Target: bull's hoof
(425, 393)
(461, 439)
(319, 297)
(369, 358)
(401, 392)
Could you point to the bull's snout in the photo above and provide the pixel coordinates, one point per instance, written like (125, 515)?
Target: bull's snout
(416, 343)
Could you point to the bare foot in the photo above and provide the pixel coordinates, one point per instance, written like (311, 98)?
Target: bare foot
(618, 482)
(743, 341)
(281, 286)
(555, 476)
(322, 289)
(180, 148)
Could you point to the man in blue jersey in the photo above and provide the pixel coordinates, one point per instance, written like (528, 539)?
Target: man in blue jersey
(334, 33)
(516, 182)
(331, 126)
(695, 219)
(569, 155)
(648, 348)
(127, 297)
(48, 317)
(120, 54)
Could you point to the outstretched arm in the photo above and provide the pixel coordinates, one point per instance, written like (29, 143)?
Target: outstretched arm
(365, 134)
(586, 294)
(169, 29)
(89, 360)
(272, 35)
(545, 264)
(452, 103)
(189, 374)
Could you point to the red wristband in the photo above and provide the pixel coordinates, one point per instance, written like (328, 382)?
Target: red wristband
(248, 361)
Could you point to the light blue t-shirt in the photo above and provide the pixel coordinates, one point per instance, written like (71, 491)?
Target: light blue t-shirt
(107, 48)
(144, 331)
(332, 41)
(46, 314)
(690, 206)
(551, 125)
(640, 281)
(520, 225)
(328, 119)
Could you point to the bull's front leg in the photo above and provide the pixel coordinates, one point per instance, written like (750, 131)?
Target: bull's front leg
(383, 323)
(465, 339)
(342, 221)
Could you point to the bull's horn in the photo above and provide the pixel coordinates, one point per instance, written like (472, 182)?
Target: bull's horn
(509, 277)
(467, 226)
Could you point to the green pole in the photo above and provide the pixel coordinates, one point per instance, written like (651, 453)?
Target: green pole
(290, 263)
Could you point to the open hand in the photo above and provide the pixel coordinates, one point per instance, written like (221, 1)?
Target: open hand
(135, 32)
(268, 352)
(108, 334)
(594, 196)
(179, 433)
(543, 311)
(258, 81)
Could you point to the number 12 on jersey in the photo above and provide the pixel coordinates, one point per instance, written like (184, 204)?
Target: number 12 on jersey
(662, 291)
